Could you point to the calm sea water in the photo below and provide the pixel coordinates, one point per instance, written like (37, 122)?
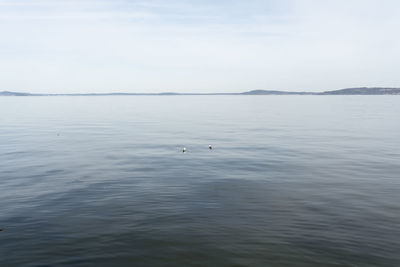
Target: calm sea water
(291, 181)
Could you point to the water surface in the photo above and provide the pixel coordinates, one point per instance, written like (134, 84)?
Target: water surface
(291, 181)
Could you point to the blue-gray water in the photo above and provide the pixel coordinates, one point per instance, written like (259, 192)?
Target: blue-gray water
(291, 181)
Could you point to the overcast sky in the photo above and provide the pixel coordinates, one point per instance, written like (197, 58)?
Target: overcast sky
(198, 46)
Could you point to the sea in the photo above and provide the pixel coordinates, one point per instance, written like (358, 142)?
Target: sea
(290, 180)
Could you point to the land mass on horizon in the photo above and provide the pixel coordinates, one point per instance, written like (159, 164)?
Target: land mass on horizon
(347, 91)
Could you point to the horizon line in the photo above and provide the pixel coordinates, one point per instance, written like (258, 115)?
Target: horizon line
(354, 90)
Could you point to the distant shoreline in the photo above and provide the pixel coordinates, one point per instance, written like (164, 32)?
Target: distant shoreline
(347, 91)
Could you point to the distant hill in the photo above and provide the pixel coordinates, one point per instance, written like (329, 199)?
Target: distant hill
(7, 93)
(365, 91)
(348, 91)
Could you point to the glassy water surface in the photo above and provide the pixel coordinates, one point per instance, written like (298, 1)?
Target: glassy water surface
(290, 181)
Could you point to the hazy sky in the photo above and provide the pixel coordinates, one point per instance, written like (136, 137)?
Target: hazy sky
(198, 46)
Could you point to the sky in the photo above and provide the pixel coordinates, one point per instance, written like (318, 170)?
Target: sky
(85, 46)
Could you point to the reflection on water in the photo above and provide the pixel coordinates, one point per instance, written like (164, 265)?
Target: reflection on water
(290, 181)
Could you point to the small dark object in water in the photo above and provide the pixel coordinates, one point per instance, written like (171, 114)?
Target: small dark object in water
(209, 147)
(184, 150)
(1, 229)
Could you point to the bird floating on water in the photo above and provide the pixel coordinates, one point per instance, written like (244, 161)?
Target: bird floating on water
(184, 150)
(209, 147)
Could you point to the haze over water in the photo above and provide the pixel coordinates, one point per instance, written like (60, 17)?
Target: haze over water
(290, 181)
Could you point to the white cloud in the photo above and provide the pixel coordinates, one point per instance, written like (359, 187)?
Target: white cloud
(192, 46)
